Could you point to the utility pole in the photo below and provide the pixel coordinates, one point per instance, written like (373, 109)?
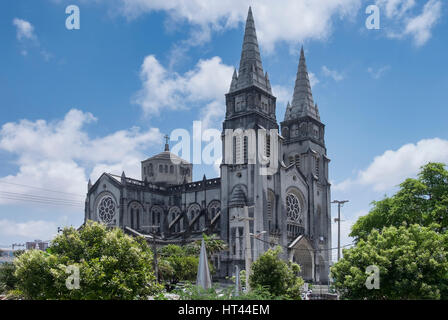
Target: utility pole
(338, 220)
(154, 249)
(247, 235)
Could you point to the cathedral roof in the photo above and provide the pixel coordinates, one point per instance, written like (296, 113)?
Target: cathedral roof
(168, 156)
(251, 69)
(302, 103)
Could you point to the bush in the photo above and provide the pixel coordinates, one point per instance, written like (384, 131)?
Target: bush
(278, 277)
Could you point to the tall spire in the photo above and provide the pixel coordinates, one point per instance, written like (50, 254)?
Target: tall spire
(302, 102)
(251, 69)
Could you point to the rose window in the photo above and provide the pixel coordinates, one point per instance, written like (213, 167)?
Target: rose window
(293, 209)
(106, 210)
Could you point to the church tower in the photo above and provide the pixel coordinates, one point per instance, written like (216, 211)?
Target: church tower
(250, 107)
(304, 148)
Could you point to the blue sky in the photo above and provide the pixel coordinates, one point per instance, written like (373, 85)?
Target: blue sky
(74, 103)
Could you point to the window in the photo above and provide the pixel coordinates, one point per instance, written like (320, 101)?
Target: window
(106, 210)
(297, 160)
(166, 168)
(161, 168)
(268, 146)
(317, 167)
(171, 169)
(293, 209)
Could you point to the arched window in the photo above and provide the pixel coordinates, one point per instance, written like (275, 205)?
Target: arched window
(193, 216)
(295, 219)
(213, 209)
(172, 216)
(294, 209)
(171, 169)
(156, 215)
(161, 168)
(166, 168)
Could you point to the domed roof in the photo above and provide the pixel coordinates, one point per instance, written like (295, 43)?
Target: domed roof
(168, 156)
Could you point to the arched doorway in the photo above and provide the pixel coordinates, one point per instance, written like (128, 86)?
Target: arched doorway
(302, 254)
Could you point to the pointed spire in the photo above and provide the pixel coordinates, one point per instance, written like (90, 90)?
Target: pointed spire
(251, 69)
(123, 178)
(302, 102)
(234, 84)
(268, 82)
(89, 185)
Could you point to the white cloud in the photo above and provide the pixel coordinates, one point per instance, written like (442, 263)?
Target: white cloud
(420, 27)
(335, 75)
(313, 79)
(394, 166)
(33, 229)
(295, 21)
(60, 155)
(377, 73)
(24, 29)
(205, 84)
(405, 22)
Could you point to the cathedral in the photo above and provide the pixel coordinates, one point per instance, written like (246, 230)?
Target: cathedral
(288, 206)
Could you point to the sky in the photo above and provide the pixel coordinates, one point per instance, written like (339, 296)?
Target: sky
(78, 102)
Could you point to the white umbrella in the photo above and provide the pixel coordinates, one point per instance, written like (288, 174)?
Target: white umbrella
(203, 280)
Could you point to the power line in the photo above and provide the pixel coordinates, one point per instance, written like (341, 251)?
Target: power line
(22, 199)
(33, 187)
(39, 197)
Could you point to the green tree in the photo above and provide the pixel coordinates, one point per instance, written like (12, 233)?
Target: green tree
(7, 279)
(422, 201)
(412, 262)
(179, 264)
(278, 277)
(112, 265)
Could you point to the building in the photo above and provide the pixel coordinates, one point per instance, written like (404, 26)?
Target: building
(37, 245)
(290, 207)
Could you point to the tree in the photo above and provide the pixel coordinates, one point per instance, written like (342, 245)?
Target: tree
(179, 264)
(422, 201)
(111, 265)
(412, 262)
(7, 278)
(278, 277)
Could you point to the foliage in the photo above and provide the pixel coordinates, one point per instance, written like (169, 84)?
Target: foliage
(412, 262)
(422, 201)
(279, 277)
(193, 292)
(213, 245)
(7, 278)
(112, 266)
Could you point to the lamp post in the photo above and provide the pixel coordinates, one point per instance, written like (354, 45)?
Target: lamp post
(338, 220)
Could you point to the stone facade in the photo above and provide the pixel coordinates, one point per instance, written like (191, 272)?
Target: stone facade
(290, 207)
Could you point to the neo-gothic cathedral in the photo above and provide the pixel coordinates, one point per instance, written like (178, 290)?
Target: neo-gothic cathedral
(290, 208)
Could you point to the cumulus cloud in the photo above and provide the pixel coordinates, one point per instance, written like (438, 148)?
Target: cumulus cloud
(394, 166)
(33, 229)
(204, 85)
(295, 21)
(406, 22)
(335, 75)
(24, 29)
(420, 27)
(60, 155)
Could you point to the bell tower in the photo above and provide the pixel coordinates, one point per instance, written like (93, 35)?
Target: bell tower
(250, 107)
